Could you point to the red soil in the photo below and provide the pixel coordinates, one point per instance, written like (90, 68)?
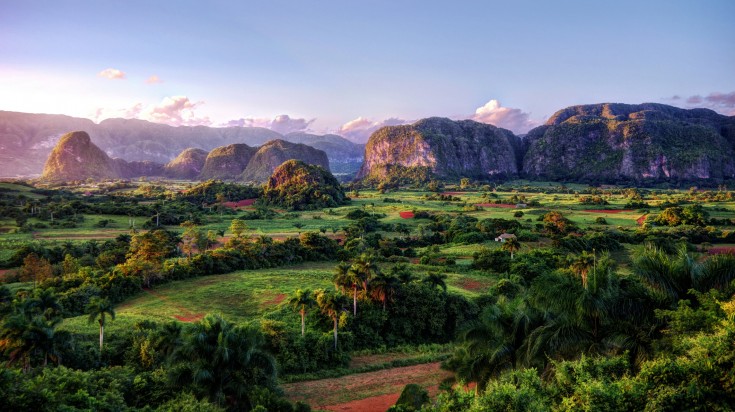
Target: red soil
(500, 205)
(641, 220)
(722, 250)
(469, 284)
(4, 272)
(453, 193)
(612, 211)
(239, 203)
(277, 299)
(190, 318)
(406, 215)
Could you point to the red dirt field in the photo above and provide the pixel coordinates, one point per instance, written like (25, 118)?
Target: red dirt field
(721, 250)
(611, 211)
(277, 299)
(239, 203)
(470, 284)
(406, 215)
(500, 205)
(371, 391)
(641, 220)
(453, 193)
(4, 272)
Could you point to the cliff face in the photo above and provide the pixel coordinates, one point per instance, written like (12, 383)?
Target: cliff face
(274, 153)
(609, 142)
(447, 148)
(187, 165)
(75, 157)
(227, 162)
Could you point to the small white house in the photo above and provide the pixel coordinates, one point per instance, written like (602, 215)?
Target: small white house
(504, 237)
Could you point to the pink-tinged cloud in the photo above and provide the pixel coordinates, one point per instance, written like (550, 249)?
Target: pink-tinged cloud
(723, 103)
(515, 120)
(283, 123)
(176, 111)
(154, 80)
(359, 130)
(112, 74)
(173, 111)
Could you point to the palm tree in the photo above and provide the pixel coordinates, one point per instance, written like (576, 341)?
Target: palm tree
(365, 266)
(511, 245)
(341, 276)
(669, 276)
(582, 264)
(223, 362)
(302, 300)
(169, 338)
(436, 280)
(44, 302)
(383, 287)
(98, 310)
(331, 304)
(717, 272)
(345, 276)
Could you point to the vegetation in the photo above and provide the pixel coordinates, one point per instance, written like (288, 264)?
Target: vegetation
(198, 304)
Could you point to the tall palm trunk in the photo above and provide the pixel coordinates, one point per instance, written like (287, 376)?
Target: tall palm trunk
(335, 333)
(303, 322)
(102, 335)
(354, 300)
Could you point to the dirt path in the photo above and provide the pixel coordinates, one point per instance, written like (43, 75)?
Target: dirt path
(371, 391)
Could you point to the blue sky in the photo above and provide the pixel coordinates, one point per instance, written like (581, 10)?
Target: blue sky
(349, 66)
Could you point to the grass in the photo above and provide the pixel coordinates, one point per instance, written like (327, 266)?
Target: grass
(242, 297)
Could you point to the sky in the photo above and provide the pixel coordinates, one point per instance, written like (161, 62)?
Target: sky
(349, 67)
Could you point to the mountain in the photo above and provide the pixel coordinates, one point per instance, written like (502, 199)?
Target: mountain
(296, 185)
(623, 142)
(345, 157)
(447, 148)
(187, 165)
(274, 153)
(26, 139)
(227, 162)
(75, 157)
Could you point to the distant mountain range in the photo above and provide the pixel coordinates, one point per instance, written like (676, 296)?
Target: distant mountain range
(606, 142)
(27, 139)
(75, 157)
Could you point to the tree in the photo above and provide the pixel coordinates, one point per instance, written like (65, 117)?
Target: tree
(331, 304)
(237, 227)
(581, 265)
(511, 245)
(36, 269)
(98, 310)
(302, 300)
(436, 280)
(361, 272)
(69, 265)
(383, 287)
(224, 362)
(402, 272)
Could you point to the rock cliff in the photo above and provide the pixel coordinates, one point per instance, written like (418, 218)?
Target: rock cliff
(227, 162)
(187, 165)
(621, 142)
(449, 149)
(75, 157)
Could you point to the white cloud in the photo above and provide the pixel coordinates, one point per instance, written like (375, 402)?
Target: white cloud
(112, 74)
(283, 123)
(174, 111)
(154, 80)
(360, 129)
(512, 119)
